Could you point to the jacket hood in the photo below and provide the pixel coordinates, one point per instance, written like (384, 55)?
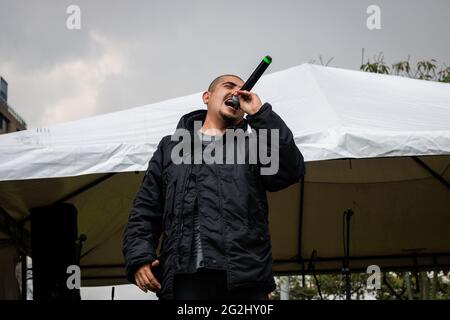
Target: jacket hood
(187, 121)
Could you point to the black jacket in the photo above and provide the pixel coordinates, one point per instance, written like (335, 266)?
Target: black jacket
(232, 206)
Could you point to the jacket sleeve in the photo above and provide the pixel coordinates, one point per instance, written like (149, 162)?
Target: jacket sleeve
(291, 164)
(144, 227)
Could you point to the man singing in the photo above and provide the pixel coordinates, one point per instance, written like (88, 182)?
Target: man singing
(213, 217)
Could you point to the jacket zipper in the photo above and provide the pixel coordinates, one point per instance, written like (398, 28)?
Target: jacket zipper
(220, 208)
(180, 233)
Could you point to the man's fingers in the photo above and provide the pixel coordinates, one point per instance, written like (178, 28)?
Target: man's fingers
(139, 283)
(244, 92)
(145, 279)
(152, 280)
(244, 95)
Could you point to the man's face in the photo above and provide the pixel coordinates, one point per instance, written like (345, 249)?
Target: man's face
(224, 90)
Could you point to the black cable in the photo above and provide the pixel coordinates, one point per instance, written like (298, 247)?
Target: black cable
(343, 233)
(311, 267)
(346, 243)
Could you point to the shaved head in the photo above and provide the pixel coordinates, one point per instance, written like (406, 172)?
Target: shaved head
(213, 84)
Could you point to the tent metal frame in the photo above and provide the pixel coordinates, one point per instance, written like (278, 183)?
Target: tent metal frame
(432, 172)
(21, 238)
(76, 192)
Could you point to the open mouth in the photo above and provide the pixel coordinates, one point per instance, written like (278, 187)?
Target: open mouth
(229, 102)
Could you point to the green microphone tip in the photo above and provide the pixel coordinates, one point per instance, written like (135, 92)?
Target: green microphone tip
(267, 59)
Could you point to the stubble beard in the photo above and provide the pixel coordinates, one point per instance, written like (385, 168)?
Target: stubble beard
(227, 119)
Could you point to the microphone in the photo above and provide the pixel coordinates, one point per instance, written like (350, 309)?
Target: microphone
(251, 81)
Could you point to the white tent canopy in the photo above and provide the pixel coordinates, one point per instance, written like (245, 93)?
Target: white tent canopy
(376, 144)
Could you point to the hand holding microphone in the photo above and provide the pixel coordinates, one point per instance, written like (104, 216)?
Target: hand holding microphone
(244, 96)
(249, 102)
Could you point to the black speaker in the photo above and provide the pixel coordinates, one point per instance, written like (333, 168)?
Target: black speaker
(54, 236)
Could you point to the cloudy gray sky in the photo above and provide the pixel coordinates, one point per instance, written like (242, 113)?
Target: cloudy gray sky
(131, 53)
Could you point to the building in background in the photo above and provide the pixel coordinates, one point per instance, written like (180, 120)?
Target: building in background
(10, 121)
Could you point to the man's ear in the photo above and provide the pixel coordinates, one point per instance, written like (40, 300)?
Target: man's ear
(205, 97)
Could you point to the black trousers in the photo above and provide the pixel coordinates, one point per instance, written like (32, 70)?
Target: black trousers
(208, 284)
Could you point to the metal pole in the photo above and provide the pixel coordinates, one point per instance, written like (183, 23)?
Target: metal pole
(284, 288)
(346, 268)
(24, 276)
